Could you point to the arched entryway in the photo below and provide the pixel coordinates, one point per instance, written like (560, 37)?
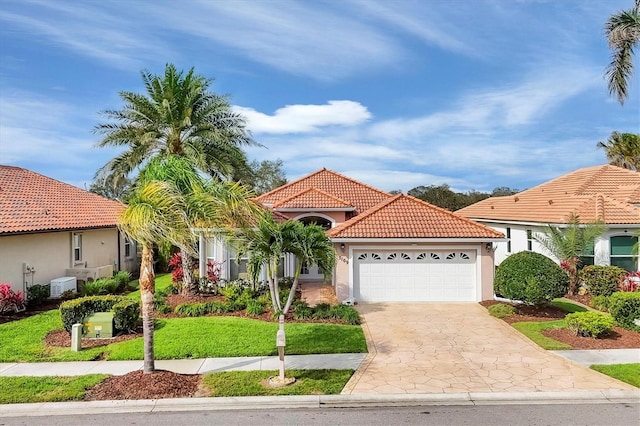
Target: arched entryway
(313, 273)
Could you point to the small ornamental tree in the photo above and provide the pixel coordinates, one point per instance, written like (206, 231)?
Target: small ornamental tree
(10, 300)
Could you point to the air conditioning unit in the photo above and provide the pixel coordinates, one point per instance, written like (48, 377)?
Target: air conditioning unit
(60, 285)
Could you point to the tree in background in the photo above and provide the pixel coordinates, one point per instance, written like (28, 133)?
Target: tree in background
(443, 196)
(623, 34)
(266, 175)
(568, 244)
(120, 193)
(623, 150)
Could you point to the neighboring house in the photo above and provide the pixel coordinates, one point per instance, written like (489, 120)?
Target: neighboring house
(49, 229)
(389, 247)
(601, 193)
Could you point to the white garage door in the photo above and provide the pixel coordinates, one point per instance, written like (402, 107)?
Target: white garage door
(415, 275)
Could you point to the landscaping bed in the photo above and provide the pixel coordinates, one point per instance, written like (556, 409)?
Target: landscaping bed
(137, 385)
(619, 338)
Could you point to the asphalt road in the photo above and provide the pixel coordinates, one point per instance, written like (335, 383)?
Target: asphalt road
(608, 414)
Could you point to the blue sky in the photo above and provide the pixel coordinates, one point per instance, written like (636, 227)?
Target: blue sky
(475, 94)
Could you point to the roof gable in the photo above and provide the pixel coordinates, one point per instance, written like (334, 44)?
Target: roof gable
(607, 193)
(403, 216)
(31, 202)
(357, 194)
(312, 198)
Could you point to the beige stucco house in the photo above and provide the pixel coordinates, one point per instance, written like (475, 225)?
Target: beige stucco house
(49, 230)
(390, 247)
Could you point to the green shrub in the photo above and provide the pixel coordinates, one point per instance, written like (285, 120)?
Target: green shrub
(589, 323)
(68, 295)
(345, 313)
(111, 286)
(322, 311)
(191, 309)
(37, 294)
(94, 288)
(531, 278)
(255, 308)
(284, 295)
(601, 280)
(122, 278)
(501, 310)
(126, 311)
(231, 291)
(161, 306)
(625, 309)
(303, 312)
(285, 282)
(216, 307)
(600, 303)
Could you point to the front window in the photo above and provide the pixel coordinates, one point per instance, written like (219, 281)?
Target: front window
(508, 240)
(127, 247)
(316, 220)
(588, 257)
(622, 253)
(77, 247)
(529, 240)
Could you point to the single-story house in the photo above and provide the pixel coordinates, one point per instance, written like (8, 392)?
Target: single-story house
(50, 229)
(601, 193)
(389, 247)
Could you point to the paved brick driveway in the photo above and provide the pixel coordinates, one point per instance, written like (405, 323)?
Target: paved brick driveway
(436, 348)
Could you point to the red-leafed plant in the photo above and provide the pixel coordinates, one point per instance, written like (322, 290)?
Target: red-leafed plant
(214, 270)
(630, 282)
(10, 300)
(175, 266)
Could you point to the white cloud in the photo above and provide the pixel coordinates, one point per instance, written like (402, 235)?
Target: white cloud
(305, 118)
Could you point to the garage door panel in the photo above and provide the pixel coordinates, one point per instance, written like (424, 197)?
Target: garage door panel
(415, 275)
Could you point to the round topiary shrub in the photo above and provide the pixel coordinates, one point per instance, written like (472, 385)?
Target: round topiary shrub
(530, 277)
(601, 280)
(590, 324)
(625, 309)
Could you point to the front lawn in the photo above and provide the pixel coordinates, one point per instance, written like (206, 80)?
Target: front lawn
(46, 389)
(533, 330)
(176, 338)
(248, 383)
(628, 373)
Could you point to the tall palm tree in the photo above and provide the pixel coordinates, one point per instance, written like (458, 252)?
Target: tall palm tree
(623, 150)
(178, 116)
(163, 209)
(623, 34)
(568, 244)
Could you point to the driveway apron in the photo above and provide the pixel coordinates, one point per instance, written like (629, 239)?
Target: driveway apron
(456, 347)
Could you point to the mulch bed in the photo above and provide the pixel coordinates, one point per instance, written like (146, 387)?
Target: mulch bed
(47, 306)
(60, 338)
(619, 338)
(137, 385)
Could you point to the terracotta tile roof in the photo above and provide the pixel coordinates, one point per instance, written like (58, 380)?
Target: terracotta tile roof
(403, 216)
(357, 194)
(312, 198)
(604, 192)
(30, 202)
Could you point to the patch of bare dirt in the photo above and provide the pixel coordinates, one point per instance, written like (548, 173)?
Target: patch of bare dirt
(584, 299)
(137, 385)
(62, 339)
(619, 338)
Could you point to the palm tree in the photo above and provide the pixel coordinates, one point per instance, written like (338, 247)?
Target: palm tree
(569, 244)
(178, 116)
(266, 245)
(623, 150)
(170, 199)
(623, 34)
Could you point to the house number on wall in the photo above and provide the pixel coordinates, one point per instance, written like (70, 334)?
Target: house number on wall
(344, 259)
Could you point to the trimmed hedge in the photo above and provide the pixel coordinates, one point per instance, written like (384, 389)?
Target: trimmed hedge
(625, 308)
(126, 311)
(601, 280)
(600, 303)
(501, 310)
(530, 277)
(589, 323)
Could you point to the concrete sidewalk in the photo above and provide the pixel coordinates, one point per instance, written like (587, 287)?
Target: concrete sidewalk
(184, 366)
(601, 356)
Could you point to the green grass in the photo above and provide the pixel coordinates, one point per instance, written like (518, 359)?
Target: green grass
(628, 373)
(162, 281)
(567, 305)
(46, 389)
(177, 338)
(247, 383)
(533, 330)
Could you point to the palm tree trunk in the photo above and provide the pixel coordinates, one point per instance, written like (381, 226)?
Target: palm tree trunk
(189, 287)
(294, 287)
(147, 290)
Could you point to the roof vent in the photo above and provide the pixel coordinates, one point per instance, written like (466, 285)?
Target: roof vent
(516, 199)
(550, 201)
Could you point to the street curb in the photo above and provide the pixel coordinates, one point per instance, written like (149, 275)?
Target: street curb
(316, 402)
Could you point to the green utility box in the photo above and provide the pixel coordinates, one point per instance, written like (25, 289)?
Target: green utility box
(99, 324)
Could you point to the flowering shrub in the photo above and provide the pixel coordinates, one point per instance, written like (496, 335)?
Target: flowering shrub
(214, 269)
(175, 266)
(10, 300)
(630, 282)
